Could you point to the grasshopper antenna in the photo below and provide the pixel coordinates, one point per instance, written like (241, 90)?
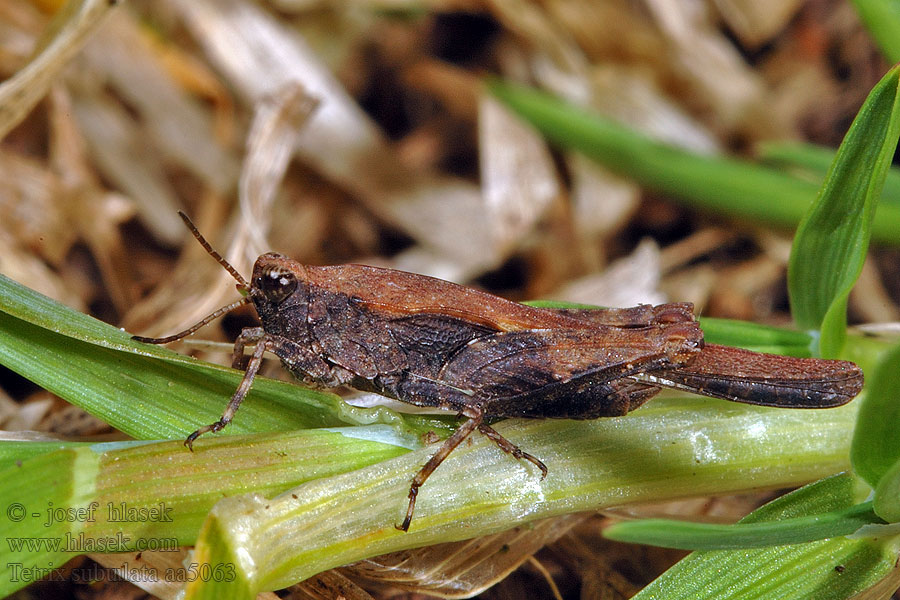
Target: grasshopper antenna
(242, 285)
(182, 334)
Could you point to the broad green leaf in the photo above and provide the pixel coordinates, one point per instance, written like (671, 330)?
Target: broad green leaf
(41, 495)
(726, 186)
(666, 449)
(832, 569)
(832, 240)
(887, 495)
(876, 442)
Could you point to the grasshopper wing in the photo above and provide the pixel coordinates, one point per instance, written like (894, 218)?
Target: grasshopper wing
(763, 379)
(566, 373)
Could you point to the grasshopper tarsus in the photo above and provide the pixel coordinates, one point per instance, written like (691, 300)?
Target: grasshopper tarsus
(410, 509)
(407, 520)
(212, 427)
(189, 441)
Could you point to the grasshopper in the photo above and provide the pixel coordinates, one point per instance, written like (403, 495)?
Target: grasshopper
(429, 342)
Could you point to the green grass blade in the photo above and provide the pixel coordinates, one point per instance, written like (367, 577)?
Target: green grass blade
(876, 443)
(759, 338)
(150, 392)
(31, 550)
(832, 240)
(21, 450)
(169, 489)
(887, 495)
(882, 19)
(722, 185)
(684, 535)
(831, 569)
(814, 161)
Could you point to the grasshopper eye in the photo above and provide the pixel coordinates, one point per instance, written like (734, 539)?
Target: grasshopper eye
(277, 284)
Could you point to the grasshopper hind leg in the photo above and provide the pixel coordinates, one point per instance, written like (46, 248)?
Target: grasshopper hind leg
(475, 421)
(450, 444)
(423, 391)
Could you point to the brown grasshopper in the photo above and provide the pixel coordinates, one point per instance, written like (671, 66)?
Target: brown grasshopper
(433, 343)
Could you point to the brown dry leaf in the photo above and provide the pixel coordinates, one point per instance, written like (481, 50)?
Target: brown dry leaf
(604, 569)
(277, 122)
(463, 569)
(869, 297)
(8, 408)
(601, 204)
(170, 126)
(63, 37)
(634, 99)
(518, 178)
(554, 59)
(426, 261)
(745, 289)
(259, 55)
(24, 266)
(118, 150)
(197, 78)
(888, 331)
(695, 285)
(628, 281)
(330, 585)
(713, 68)
(30, 413)
(458, 91)
(756, 22)
(693, 247)
(589, 23)
(72, 422)
(725, 509)
(90, 212)
(99, 216)
(178, 125)
(29, 203)
(20, 25)
(195, 284)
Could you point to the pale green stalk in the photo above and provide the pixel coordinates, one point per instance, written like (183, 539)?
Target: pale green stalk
(668, 449)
